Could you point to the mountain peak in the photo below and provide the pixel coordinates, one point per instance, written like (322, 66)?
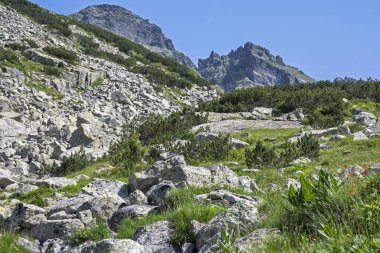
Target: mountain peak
(125, 23)
(249, 65)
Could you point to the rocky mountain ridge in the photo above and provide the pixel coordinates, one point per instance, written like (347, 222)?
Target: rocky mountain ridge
(248, 66)
(129, 25)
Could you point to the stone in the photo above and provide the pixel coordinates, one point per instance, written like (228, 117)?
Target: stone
(242, 217)
(194, 228)
(25, 217)
(156, 237)
(188, 248)
(115, 246)
(86, 218)
(62, 215)
(6, 181)
(238, 144)
(132, 211)
(51, 229)
(105, 186)
(104, 206)
(137, 198)
(364, 118)
(70, 205)
(31, 247)
(292, 181)
(360, 136)
(337, 137)
(157, 194)
(324, 146)
(55, 182)
(43, 58)
(246, 243)
(227, 199)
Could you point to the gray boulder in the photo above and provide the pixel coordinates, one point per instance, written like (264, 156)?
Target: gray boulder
(157, 194)
(104, 206)
(359, 136)
(25, 217)
(105, 186)
(137, 198)
(51, 229)
(43, 58)
(31, 247)
(115, 246)
(364, 118)
(70, 205)
(156, 237)
(55, 182)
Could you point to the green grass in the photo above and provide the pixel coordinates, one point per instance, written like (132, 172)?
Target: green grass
(37, 196)
(47, 90)
(98, 82)
(8, 245)
(367, 106)
(182, 209)
(96, 233)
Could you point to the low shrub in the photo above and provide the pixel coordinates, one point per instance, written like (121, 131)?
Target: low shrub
(128, 152)
(327, 116)
(62, 53)
(263, 156)
(95, 234)
(31, 43)
(158, 129)
(76, 162)
(86, 42)
(9, 56)
(198, 151)
(52, 71)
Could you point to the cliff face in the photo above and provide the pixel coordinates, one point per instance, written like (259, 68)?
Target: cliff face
(129, 25)
(247, 66)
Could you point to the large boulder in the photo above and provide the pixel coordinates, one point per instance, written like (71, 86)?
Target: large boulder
(173, 168)
(114, 246)
(105, 186)
(70, 205)
(55, 182)
(156, 237)
(104, 206)
(43, 58)
(88, 135)
(364, 118)
(25, 217)
(51, 229)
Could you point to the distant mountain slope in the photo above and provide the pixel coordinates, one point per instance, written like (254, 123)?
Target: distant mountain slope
(247, 66)
(129, 25)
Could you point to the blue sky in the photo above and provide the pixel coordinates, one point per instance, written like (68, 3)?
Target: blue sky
(324, 38)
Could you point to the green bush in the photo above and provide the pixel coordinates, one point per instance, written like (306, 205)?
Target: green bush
(76, 162)
(9, 56)
(158, 129)
(62, 53)
(198, 151)
(261, 156)
(86, 42)
(17, 47)
(128, 152)
(95, 234)
(52, 71)
(331, 115)
(31, 43)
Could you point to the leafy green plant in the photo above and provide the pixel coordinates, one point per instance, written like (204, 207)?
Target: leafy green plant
(313, 191)
(330, 115)
(96, 233)
(67, 55)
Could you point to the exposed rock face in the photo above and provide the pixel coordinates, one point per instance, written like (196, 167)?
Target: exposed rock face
(248, 66)
(127, 24)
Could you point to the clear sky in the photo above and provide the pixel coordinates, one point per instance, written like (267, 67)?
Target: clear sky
(324, 38)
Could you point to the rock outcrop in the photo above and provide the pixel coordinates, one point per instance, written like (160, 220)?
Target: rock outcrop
(129, 25)
(249, 66)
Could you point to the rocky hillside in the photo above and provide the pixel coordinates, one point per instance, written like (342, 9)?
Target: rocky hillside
(55, 98)
(249, 66)
(129, 25)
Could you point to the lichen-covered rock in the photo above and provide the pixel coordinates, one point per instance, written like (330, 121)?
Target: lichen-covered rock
(31, 247)
(25, 217)
(114, 246)
(51, 229)
(156, 237)
(105, 186)
(132, 211)
(246, 243)
(137, 198)
(55, 182)
(104, 206)
(70, 205)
